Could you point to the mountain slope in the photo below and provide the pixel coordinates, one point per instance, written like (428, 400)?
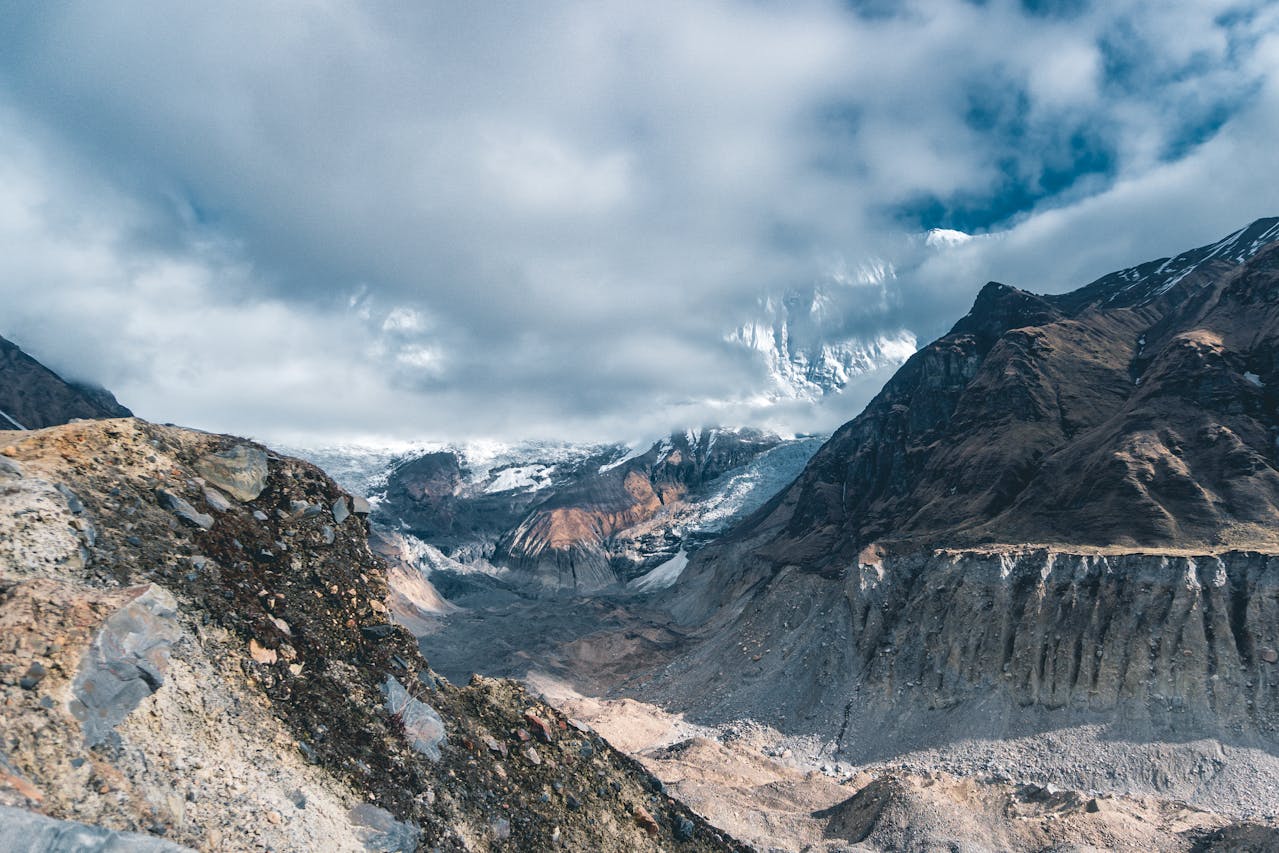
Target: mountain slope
(198, 646)
(1095, 418)
(32, 396)
(1048, 547)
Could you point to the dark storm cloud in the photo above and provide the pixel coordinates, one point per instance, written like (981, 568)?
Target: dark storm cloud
(542, 219)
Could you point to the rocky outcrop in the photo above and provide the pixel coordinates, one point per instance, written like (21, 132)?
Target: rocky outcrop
(125, 663)
(241, 471)
(32, 396)
(243, 684)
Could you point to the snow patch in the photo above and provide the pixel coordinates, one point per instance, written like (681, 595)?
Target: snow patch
(662, 576)
(16, 425)
(1254, 379)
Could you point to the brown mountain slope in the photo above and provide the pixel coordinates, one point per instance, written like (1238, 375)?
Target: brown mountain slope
(33, 397)
(195, 644)
(1090, 419)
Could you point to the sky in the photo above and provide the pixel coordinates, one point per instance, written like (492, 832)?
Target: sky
(331, 221)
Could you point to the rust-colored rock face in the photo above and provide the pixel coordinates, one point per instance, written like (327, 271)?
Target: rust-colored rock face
(564, 542)
(1136, 413)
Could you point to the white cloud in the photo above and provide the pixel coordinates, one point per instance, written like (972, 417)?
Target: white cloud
(542, 220)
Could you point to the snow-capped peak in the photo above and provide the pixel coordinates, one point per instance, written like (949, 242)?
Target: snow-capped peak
(938, 238)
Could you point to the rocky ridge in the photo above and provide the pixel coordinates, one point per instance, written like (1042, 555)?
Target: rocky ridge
(198, 648)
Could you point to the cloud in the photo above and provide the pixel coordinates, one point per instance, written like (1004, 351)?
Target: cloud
(460, 220)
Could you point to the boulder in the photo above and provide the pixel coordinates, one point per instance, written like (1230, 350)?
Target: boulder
(241, 471)
(422, 724)
(125, 663)
(27, 832)
(183, 510)
(379, 831)
(216, 500)
(340, 512)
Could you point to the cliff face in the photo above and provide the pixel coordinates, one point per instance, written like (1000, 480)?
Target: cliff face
(32, 396)
(1144, 657)
(197, 645)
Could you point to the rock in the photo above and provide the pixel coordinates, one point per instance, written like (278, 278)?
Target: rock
(360, 506)
(340, 512)
(501, 829)
(9, 469)
(241, 471)
(73, 500)
(377, 632)
(422, 725)
(539, 725)
(683, 829)
(26, 832)
(259, 515)
(530, 752)
(646, 820)
(216, 500)
(183, 510)
(378, 830)
(494, 745)
(328, 535)
(35, 674)
(125, 663)
(261, 654)
(1270, 655)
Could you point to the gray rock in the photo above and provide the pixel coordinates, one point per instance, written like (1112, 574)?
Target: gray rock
(422, 724)
(379, 831)
(26, 832)
(73, 500)
(340, 512)
(302, 509)
(183, 510)
(260, 515)
(9, 469)
(35, 674)
(125, 663)
(360, 506)
(328, 534)
(241, 471)
(216, 500)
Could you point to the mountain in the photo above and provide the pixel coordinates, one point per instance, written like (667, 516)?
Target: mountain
(32, 396)
(582, 518)
(1138, 412)
(817, 338)
(808, 338)
(1047, 548)
(201, 651)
